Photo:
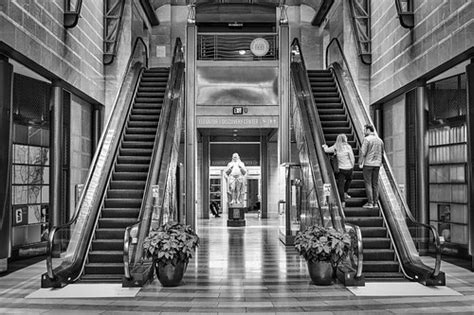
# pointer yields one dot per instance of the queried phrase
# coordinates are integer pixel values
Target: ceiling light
(242, 52)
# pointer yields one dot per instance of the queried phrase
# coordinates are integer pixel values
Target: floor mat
(400, 289)
(85, 290)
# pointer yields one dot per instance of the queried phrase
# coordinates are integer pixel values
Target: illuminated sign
(237, 110)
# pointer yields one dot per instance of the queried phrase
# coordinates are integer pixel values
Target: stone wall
(443, 29)
(35, 29)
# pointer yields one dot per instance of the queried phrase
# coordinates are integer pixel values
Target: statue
(236, 172)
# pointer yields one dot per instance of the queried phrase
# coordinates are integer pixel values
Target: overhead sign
(259, 47)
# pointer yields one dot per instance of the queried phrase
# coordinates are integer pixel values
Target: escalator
(135, 155)
(392, 238)
(125, 191)
(379, 256)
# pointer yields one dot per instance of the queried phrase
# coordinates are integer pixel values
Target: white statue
(236, 171)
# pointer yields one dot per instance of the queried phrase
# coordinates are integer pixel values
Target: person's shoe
(217, 216)
(368, 205)
(347, 196)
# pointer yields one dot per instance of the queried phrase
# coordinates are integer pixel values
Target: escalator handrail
(386, 165)
(171, 93)
(51, 234)
(328, 176)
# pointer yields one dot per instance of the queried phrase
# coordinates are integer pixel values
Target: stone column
(56, 141)
(470, 156)
(422, 157)
(205, 177)
(6, 121)
(284, 125)
(190, 120)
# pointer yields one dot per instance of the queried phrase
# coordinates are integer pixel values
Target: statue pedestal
(236, 215)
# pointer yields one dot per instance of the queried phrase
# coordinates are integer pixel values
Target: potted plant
(171, 246)
(323, 248)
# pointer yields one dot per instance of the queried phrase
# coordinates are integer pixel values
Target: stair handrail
(132, 73)
(366, 116)
(172, 93)
(297, 58)
(71, 17)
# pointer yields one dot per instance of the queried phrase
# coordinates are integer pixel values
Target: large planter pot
(170, 275)
(321, 272)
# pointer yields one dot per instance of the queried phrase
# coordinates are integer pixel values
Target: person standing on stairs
(345, 161)
(370, 161)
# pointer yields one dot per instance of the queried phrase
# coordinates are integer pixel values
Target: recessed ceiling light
(235, 130)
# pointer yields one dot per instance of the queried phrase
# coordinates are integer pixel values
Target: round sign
(259, 47)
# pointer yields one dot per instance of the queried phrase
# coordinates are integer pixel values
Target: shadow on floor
(14, 265)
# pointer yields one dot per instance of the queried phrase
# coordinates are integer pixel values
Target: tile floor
(238, 270)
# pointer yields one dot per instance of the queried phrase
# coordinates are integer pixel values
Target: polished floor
(238, 270)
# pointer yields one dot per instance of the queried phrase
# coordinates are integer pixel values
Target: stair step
(104, 268)
(125, 193)
(120, 212)
(106, 256)
(116, 223)
(123, 203)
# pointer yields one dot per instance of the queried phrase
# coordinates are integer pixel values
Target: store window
(30, 165)
(448, 161)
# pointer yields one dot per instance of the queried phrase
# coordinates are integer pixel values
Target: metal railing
(99, 171)
(234, 46)
(358, 111)
(303, 87)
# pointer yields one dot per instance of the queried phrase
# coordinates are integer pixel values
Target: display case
(215, 192)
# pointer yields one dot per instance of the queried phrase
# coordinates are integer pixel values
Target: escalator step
(145, 118)
(150, 83)
(110, 233)
(127, 184)
(376, 242)
(148, 105)
(327, 100)
(124, 193)
(361, 212)
(106, 256)
(141, 131)
(334, 124)
(146, 111)
(384, 276)
(101, 278)
(316, 81)
(338, 118)
(120, 213)
(132, 168)
(330, 106)
(156, 93)
(378, 254)
(126, 176)
(365, 221)
(123, 203)
(143, 124)
(328, 94)
(139, 137)
(116, 223)
(337, 130)
(107, 244)
(159, 87)
(137, 145)
(134, 159)
(324, 89)
(357, 192)
(379, 266)
(326, 83)
(331, 111)
(369, 231)
(104, 268)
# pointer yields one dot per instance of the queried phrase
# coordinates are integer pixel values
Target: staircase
(380, 262)
(125, 191)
